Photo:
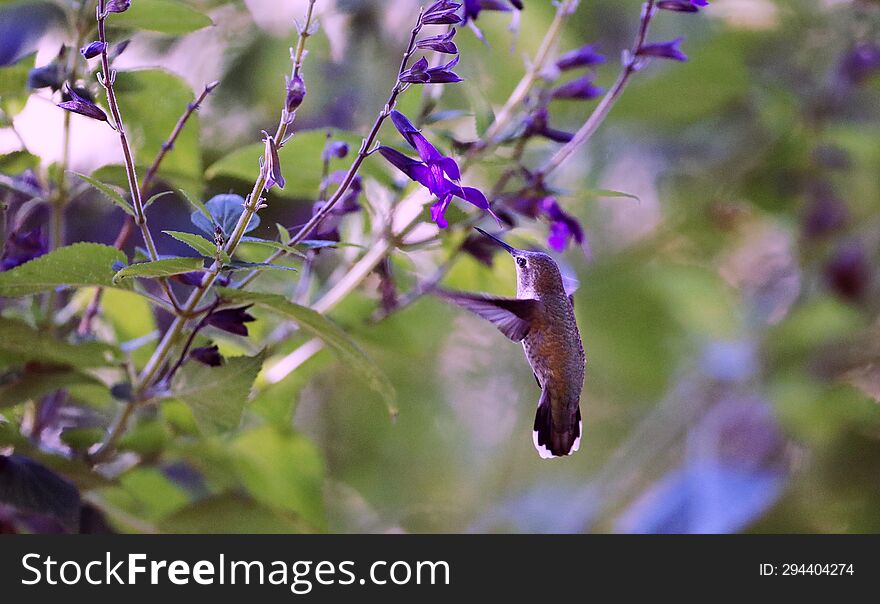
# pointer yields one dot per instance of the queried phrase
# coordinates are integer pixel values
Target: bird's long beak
(507, 247)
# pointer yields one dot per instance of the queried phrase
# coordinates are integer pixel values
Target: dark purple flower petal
(232, 320)
(443, 74)
(664, 50)
(860, 63)
(848, 271)
(400, 161)
(580, 57)
(442, 43)
(443, 12)
(472, 8)
(117, 6)
(193, 279)
(93, 49)
(82, 106)
(580, 89)
(209, 355)
(562, 226)
(21, 248)
(438, 211)
(536, 124)
(405, 127)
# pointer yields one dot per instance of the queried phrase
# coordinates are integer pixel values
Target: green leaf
(318, 325)
(163, 16)
(20, 343)
(150, 201)
(217, 395)
(283, 233)
(37, 381)
(228, 513)
(607, 193)
(80, 264)
(161, 268)
(281, 469)
(249, 266)
(199, 244)
(109, 192)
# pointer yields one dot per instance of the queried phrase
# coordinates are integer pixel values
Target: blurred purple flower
(848, 271)
(563, 227)
(83, 106)
(472, 8)
(328, 229)
(584, 56)
(117, 6)
(93, 49)
(861, 63)
(232, 320)
(209, 355)
(193, 279)
(435, 171)
(337, 149)
(441, 43)
(581, 89)
(537, 124)
(824, 214)
(443, 12)
(664, 50)
(21, 248)
(420, 73)
(682, 6)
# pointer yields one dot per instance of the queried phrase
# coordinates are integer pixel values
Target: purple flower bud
(537, 124)
(93, 49)
(337, 149)
(209, 355)
(580, 57)
(117, 6)
(579, 89)
(860, 63)
(47, 76)
(442, 12)
(420, 73)
(296, 93)
(232, 320)
(272, 164)
(664, 50)
(78, 104)
(442, 43)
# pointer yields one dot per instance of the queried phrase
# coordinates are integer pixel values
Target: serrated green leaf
(20, 343)
(197, 204)
(199, 244)
(109, 192)
(217, 395)
(80, 264)
(163, 16)
(318, 325)
(161, 268)
(249, 266)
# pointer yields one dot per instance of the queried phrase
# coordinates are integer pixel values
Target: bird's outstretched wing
(512, 317)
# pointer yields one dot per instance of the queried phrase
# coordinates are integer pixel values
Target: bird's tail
(557, 432)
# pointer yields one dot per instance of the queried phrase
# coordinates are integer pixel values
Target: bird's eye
(522, 262)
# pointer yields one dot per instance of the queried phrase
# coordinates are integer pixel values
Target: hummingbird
(542, 318)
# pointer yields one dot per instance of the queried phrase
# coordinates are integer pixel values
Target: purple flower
(209, 355)
(472, 8)
(117, 6)
(93, 49)
(21, 248)
(664, 50)
(442, 43)
(193, 279)
(78, 104)
(584, 56)
(563, 227)
(232, 320)
(860, 63)
(296, 93)
(420, 73)
(682, 6)
(443, 12)
(337, 149)
(272, 164)
(435, 171)
(538, 124)
(579, 89)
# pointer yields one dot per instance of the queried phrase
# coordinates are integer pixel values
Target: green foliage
(199, 244)
(318, 325)
(77, 265)
(163, 16)
(21, 343)
(37, 381)
(109, 192)
(217, 395)
(160, 268)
